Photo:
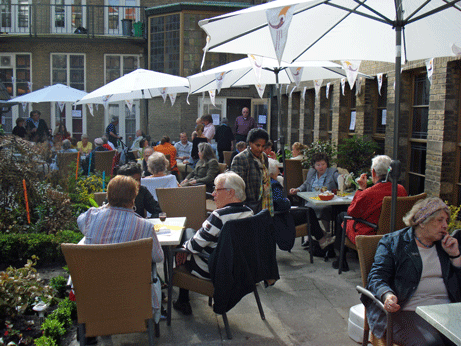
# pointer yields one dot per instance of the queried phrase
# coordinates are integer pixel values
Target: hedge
(16, 248)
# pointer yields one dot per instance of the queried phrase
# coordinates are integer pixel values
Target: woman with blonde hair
(297, 151)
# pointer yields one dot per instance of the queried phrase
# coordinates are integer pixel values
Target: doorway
(234, 109)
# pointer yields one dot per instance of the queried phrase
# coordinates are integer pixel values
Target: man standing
(243, 124)
(111, 132)
(37, 129)
(209, 130)
(229, 195)
(224, 138)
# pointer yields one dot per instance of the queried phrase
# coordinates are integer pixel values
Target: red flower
(6, 333)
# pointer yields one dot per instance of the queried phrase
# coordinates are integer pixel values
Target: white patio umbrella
(377, 30)
(54, 93)
(139, 84)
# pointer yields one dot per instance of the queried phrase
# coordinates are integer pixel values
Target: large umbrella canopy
(54, 93)
(240, 72)
(139, 84)
(340, 29)
(377, 30)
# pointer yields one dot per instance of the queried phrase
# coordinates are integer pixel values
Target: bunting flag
(172, 98)
(317, 86)
(205, 49)
(61, 105)
(105, 100)
(219, 80)
(260, 88)
(187, 99)
(90, 108)
(291, 92)
(29, 86)
(304, 93)
(297, 72)
(97, 107)
(212, 94)
(129, 104)
(358, 87)
(163, 93)
(456, 50)
(352, 69)
(343, 84)
(430, 69)
(328, 90)
(279, 20)
(24, 106)
(257, 64)
(380, 82)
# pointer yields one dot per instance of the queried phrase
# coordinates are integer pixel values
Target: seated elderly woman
(206, 169)
(117, 222)
(297, 151)
(157, 164)
(418, 265)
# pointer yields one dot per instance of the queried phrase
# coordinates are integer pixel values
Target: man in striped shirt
(229, 195)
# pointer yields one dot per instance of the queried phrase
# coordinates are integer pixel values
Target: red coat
(367, 205)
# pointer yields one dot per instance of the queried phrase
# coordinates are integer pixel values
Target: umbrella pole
(395, 164)
(279, 130)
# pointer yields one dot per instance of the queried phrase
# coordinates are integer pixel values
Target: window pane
(5, 13)
(165, 44)
(130, 122)
(420, 119)
(422, 88)
(381, 115)
(59, 61)
(418, 158)
(130, 63)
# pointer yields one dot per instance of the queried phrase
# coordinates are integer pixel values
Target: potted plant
(355, 154)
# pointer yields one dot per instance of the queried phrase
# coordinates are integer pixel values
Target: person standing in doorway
(111, 132)
(243, 124)
(224, 138)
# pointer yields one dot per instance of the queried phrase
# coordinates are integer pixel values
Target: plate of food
(326, 196)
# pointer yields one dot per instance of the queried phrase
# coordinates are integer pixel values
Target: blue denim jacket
(397, 268)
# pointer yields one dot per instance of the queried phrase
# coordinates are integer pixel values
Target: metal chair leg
(342, 253)
(210, 301)
(258, 301)
(81, 334)
(226, 325)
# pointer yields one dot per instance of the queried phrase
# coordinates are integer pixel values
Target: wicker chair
(366, 248)
(103, 161)
(114, 296)
(64, 161)
(404, 205)
(100, 197)
(227, 157)
(185, 201)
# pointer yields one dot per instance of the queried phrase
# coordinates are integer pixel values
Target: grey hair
(272, 166)
(232, 180)
(207, 151)
(66, 144)
(380, 164)
(157, 163)
(424, 205)
(85, 136)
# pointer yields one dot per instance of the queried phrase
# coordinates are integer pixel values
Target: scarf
(266, 189)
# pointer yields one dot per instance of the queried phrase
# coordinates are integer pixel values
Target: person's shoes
(306, 243)
(327, 242)
(163, 313)
(316, 250)
(335, 265)
(183, 307)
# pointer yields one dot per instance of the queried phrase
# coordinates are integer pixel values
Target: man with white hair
(229, 195)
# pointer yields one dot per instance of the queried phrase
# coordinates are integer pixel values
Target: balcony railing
(90, 20)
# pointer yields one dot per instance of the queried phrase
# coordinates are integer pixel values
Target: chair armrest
(183, 250)
(209, 195)
(365, 222)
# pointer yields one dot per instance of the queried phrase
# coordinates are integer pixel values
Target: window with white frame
(15, 74)
(129, 119)
(69, 69)
(68, 15)
(14, 16)
(118, 10)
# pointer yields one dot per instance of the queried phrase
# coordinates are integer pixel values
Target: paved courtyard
(309, 306)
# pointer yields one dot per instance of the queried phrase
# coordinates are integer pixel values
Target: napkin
(341, 183)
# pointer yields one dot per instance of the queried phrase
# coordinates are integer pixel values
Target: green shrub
(355, 154)
(65, 313)
(20, 288)
(15, 248)
(59, 283)
(53, 329)
(69, 305)
(45, 341)
(319, 147)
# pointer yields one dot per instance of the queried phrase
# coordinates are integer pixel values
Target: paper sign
(352, 125)
(262, 119)
(383, 116)
(76, 113)
(215, 119)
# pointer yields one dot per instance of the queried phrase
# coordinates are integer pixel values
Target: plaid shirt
(246, 166)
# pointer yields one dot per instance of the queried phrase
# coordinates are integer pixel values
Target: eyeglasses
(224, 188)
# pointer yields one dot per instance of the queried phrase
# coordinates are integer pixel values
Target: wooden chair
(404, 205)
(250, 230)
(64, 162)
(227, 157)
(100, 197)
(114, 296)
(366, 248)
(294, 174)
(222, 167)
(184, 201)
(103, 161)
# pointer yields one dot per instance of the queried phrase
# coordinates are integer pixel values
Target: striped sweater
(206, 238)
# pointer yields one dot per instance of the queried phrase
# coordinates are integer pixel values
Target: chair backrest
(114, 296)
(103, 161)
(227, 157)
(185, 201)
(404, 205)
(64, 160)
(100, 197)
(152, 184)
(366, 248)
(294, 174)
(222, 167)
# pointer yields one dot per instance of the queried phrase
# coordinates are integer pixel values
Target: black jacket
(145, 202)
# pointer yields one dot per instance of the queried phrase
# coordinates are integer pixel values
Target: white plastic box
(355, 323)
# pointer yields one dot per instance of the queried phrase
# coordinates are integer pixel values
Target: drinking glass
(162, 217)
